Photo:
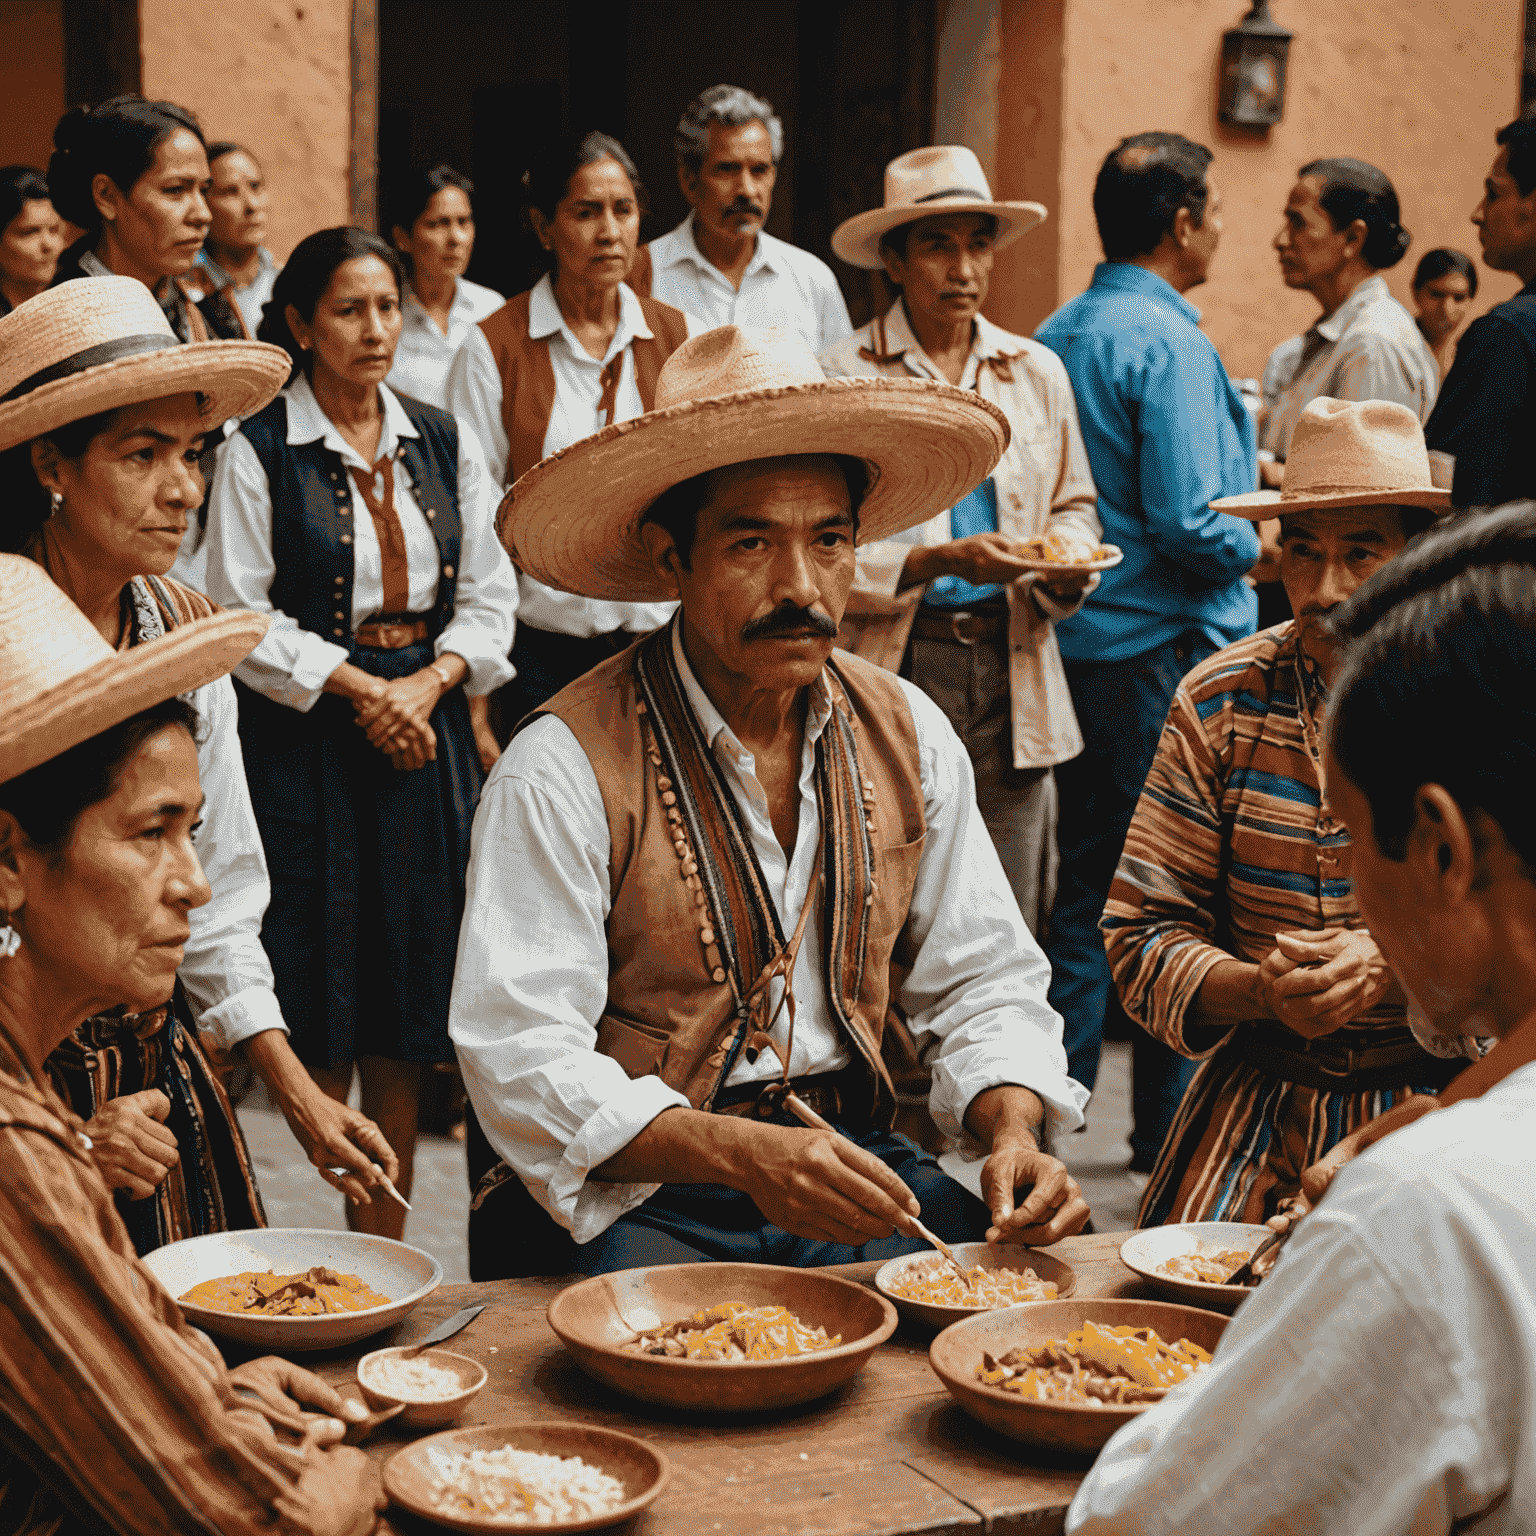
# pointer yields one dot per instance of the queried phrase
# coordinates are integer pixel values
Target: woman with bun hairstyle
(1444, 286)
(1340, 233)
(362, 523)
(31, 236)
(131, 174)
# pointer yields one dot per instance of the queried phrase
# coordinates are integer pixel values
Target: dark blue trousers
(1121, 707)
(684, 1223)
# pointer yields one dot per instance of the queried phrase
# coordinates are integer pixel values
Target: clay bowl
(595, 1317)
(930, 1315)
(956, 1355)
(1142, 1252)
(422, 1413)
(405, 1274)
(643, 1470)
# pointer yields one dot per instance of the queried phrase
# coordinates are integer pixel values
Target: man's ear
(687, 181)
(895, 267)
(1443, 857)
(45, 463)
(13, 889)
(663, 552)
(1184, 227)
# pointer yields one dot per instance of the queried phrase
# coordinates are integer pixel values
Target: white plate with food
(927, 1290)
(1188, 1261)
(288, 1289)
(1054, 554)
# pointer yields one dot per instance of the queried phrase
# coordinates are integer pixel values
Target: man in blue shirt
(1167, 433)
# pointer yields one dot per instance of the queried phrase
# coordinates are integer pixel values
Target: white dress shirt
(424, 353)
(252, 298)
(475, 396)
(532, 974)
(783, 287)
(292, 664)
(1382, 1381)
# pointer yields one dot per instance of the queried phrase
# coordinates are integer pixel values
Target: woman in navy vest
(362, 522)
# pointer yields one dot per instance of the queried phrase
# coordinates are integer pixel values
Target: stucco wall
(31, 79)
(274, 75)
(1416, 87)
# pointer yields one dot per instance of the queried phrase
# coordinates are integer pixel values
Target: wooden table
(890, 1452)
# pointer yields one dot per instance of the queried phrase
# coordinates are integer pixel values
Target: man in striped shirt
(1232, 929)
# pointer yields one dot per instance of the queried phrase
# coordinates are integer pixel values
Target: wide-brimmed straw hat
(921, 184)
(97, 343)
(726, 397)
(1348, 453)
(61, 683)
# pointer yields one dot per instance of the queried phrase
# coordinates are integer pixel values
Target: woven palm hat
(97, 343)
(727, 397)
(943, 178)
(61, 683)
(1348, 453)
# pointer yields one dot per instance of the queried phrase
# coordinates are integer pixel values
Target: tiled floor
(296, 1196)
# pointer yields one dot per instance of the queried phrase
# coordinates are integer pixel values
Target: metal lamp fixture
(1254, 54)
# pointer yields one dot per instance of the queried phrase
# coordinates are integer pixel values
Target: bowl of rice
(435, 1386)
(927, 1290)
(556, 1476)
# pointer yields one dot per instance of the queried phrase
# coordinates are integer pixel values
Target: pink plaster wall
(275, 75)
(31, 79)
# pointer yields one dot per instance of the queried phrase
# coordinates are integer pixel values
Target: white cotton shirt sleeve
(292, 664)
(474, 392)
(532, 980)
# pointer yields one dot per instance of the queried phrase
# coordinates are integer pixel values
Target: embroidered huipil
(531, 982)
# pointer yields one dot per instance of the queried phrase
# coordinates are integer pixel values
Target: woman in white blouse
(576, 353)
(433, 227)
(363, 524)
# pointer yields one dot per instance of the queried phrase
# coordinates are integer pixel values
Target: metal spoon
(1245, 1275)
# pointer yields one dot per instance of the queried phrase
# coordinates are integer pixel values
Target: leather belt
(392, 635)
(825, 1092)
(1346, 1071)
(961, 626)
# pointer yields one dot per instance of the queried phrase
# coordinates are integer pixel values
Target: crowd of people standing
(438, 678)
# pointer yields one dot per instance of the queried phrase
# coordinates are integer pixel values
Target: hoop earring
(10, 940)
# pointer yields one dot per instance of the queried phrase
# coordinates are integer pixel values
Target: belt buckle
(958, 624)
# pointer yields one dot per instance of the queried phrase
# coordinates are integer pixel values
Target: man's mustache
(1318, 610)
(790, 621)
(744, 205)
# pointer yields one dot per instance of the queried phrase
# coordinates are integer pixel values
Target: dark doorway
(479, 86)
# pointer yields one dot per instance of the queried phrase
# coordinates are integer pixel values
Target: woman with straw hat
(362, 520)
(118, 1415)
(102, 416)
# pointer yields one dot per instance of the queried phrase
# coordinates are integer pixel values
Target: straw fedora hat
(1348, 453)
(943, 178)
(97, 343)
(726, 397)
(61, 683)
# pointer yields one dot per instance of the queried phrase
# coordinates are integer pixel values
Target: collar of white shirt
(462, 308)
(683, 247)
(1372, 289)
(988, 341)
(265, 263)
(545, 319)
(307, 423)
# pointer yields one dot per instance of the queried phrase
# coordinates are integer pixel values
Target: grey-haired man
(720, 265)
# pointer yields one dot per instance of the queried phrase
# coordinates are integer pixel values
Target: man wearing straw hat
(701, 874)
(952, 603)
(1232, 928)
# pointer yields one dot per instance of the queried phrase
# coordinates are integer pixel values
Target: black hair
(119, 139)
(1442, 261)
(1144, 181)
(896, 240)
(48, 800)
(25, 505)
(1435, 682)
(1519, 138)
(1352, 190)
(548, 178)
(19, 185)
(222, 147)
(677, 510)
(308, 274)
(407, 194)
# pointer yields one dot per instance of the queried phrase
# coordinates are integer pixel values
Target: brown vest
(528, 376)
(670, 1010)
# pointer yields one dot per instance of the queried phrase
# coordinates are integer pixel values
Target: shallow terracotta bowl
(1143, 1251)
(421, 1413)
(1057, 1271)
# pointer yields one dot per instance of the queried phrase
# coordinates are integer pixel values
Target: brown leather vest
(667, 1013)
(528, 376)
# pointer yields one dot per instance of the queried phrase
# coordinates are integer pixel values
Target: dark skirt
(212, 1188)
(367, 866)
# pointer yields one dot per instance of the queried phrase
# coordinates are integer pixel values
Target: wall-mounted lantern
(1253, 60)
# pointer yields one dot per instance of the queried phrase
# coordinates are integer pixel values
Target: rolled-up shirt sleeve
(1159, 923)
(474, 391)
(975, 997)
(532, 980)
(292, 664)
(485, 595)
(225, 969)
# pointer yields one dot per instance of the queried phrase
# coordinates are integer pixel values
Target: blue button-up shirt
(1167, 433)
